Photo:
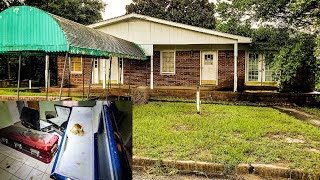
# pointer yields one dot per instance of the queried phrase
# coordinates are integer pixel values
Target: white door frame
(95, 71)
(215, 60)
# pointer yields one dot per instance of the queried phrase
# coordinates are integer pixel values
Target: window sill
(257, 83)
(76, 72)
(167, 74)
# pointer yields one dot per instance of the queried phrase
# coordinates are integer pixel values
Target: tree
(193, 12)
(4, 4)
(300, 14)
(297, 63)
(81, 11)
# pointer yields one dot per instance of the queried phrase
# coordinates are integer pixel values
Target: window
(76, 65)
(167, 62)
(95, 63)
(253, 68)
(208, 59)
(269, 74)
(259, 72)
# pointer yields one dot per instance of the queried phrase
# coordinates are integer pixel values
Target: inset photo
(66, 140)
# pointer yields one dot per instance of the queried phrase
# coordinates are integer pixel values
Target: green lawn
(12, 91)
(224, 134)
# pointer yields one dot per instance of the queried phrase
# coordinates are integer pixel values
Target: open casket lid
(63, 114)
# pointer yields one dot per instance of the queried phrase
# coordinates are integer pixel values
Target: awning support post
(104, 73)
(82, 78)
(47, 76)
(88, 95)
(69, 76)
(151, 72)
(109, 78)
(235, 78)
(62, 80)
(19, 73)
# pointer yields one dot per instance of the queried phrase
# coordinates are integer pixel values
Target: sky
(116, 8)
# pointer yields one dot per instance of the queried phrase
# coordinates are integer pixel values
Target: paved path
(300, 115)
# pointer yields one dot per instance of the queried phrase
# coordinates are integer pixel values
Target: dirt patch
(181, 127)
(293, 140)
(275, 135)
(315, 122)
(314, 150)
(286, 137)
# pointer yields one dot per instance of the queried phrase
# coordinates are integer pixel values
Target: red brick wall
(75, 79)
(187, 70)
(226, 69)
(136, 72)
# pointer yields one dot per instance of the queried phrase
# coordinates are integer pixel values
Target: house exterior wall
(187, 72)
(136, 72)
(226, 69)
(75, 78)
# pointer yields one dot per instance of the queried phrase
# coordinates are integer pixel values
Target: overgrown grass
(224, 134)
(12, 91)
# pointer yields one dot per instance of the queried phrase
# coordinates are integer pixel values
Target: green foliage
(32, 67)
(269, 38)
(300, 13)
(5, 4)
(234, 27)
(297, 63)
(81, 11)
(317, 51)
(193, 12)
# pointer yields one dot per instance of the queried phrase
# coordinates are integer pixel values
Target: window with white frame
(269, 74)
(269, 71)
(253, 67)
(167, 62)
(76, 65)
(258, 70)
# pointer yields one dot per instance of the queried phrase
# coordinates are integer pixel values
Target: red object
(39, 145)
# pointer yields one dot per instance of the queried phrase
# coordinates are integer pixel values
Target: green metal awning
(27, 29)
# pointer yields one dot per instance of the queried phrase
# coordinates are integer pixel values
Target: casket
(40, 145)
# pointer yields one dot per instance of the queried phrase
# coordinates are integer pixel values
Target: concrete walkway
(291, 111)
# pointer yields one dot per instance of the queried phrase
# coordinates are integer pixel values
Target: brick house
(177, 55)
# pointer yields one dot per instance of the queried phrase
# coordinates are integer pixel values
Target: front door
(114, 70)
(209, 68)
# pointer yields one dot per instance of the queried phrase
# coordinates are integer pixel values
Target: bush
(297, 64)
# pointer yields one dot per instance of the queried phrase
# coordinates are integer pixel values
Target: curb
(214, 169)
